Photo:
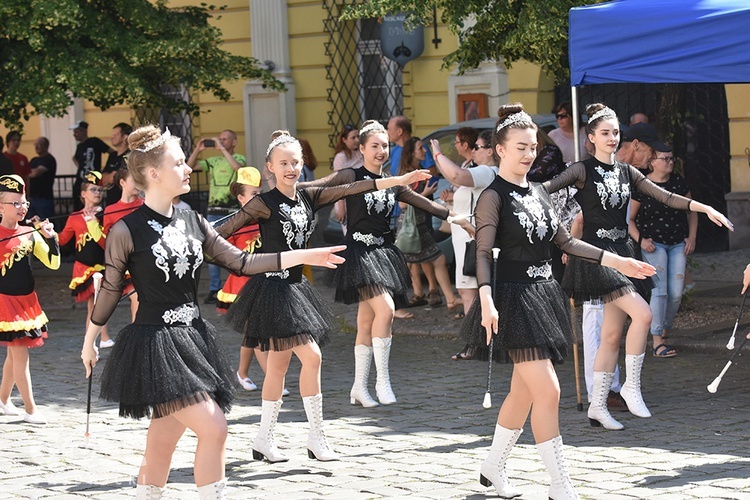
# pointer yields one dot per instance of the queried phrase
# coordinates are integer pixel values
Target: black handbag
(470, 255)
(470, 258)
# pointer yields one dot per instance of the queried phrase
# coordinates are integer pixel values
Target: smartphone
(209, 143)
(433, 180)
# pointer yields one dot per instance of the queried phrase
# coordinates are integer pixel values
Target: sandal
(460, 315)
(401, 314)
(456, 303)
(467, 354)
(435, 299)
(417, 300)
(664, 351)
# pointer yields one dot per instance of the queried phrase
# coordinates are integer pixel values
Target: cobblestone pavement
(429, 445)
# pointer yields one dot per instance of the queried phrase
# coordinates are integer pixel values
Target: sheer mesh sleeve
(223, 253)
(407, 195)
(251, 212)
(322, 196)
(573, 175)
(344, 176)
(487, 216)
(643, 185)
(118, 249)
(573, 246)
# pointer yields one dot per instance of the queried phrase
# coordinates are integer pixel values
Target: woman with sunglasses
(469, 184)
(666, 237)
(563, 134)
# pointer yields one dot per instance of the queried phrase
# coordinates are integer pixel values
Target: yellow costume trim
(25, 325)
(225, 297)
(78, 281)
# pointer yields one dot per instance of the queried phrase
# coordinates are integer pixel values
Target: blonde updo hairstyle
(281, 138)
(500, 135)
(142, 156)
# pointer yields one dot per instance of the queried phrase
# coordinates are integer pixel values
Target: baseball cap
(249, 176)
(645, 133)
(80, 124)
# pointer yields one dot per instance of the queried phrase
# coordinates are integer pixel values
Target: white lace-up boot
(213, 491)
(598, 413)
(317, 445)
(381, 349)
(631, 389)
(362, 362)
(263, 445)
(492, 472)
(148, 492)
(560, 487)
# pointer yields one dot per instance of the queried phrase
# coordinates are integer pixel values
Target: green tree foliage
(110, 52)
(534, 30)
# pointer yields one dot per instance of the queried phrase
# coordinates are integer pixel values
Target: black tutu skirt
(370, 271)
(277, 315)
(155, 370)
(534, 323)
(585, 280)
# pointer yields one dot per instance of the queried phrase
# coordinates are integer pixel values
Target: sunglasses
(477, 147)
(667, 159)
(562, 115)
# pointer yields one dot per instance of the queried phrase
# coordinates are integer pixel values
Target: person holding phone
(222, 172)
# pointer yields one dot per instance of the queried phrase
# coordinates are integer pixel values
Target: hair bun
(508, 109)
(142, 136)
(591, 109)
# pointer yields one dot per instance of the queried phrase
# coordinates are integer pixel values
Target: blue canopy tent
(659, 41)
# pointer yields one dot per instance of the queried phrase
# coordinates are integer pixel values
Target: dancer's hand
(45, 227)
(718, 218)
(89, 356)
(323, 257)
(746, 279)
(490, 317)
(413, 177)
(90, 213)
(629, 267)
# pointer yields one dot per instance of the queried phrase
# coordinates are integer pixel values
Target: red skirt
(82, 284)
(22, 321)
(228, 293)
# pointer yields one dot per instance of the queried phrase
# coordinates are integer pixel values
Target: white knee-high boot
(263, 445)
(381, 349)
(631, 389)
(362, 362)
(560, 487)
(598, 413)
(492, 472)
(213, 491)
(317, 445)
(149, 492)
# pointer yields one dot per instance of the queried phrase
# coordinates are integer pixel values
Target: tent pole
(576, 119)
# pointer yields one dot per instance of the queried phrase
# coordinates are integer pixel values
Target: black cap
(645, 133)
(80, 124)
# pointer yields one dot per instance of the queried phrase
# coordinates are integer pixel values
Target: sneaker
(104, 344)
(246, 383)
(9, 408)
(34, 418)
(285, 392)
(211, 297)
